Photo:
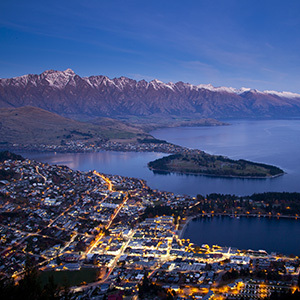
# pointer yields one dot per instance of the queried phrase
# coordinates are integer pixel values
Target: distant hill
(83, 98)
(5, 155)
(30, 125)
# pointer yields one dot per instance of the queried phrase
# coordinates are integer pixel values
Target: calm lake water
(270, 234)
(275, 142)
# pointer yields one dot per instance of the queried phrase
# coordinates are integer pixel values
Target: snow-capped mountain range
(70, 95)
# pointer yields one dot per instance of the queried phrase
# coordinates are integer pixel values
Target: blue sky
(238, 43)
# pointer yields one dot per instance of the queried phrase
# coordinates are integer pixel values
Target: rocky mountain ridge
(68, 94)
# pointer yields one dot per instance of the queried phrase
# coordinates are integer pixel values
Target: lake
(275, 142)
(270, 234)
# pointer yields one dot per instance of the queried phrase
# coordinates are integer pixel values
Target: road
(37, 170)
(96, 283)
(107, 226)
(109, 183)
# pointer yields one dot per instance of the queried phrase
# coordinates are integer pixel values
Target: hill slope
(30, 125)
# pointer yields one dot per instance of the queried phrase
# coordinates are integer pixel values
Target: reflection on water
(272, 142)
(270, 234)
(131, 164)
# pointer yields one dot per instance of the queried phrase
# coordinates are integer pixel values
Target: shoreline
(182, 230)
(190, 218)
(215, 175)
(165, 147)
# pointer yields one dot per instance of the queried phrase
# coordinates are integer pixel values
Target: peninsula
(35, 129)
(199, 162)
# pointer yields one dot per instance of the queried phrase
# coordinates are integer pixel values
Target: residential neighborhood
(114, 232)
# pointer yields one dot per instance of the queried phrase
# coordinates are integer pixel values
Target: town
(113, 237)
(145, 145)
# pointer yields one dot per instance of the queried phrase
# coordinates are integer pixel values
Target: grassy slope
(149, 123)
(35, 125)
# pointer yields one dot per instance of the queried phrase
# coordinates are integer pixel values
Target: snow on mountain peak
(205, 86)
(243, 90)
(69, 71)
(283, 94)
(59, 79)
(156, 81)
(221, 89)
(157, 84)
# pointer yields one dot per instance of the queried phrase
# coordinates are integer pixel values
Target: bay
(275, 142)
(270, 234)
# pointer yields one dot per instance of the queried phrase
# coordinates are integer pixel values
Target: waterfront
(273, 142)
(78, 218)
(271, 234)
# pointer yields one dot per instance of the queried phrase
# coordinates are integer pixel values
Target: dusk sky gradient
(237, 43)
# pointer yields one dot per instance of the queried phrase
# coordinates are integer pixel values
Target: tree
(50, 291)
(66, 295)
(29, 286)
(7, 288)
(145, 286)
(146, 281)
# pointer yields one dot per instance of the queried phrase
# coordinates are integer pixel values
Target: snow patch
(225, 89)
(69, 72)
(157, 84)
(283, 94)
(59, 79)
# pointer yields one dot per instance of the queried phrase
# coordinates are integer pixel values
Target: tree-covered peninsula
(199, 162)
